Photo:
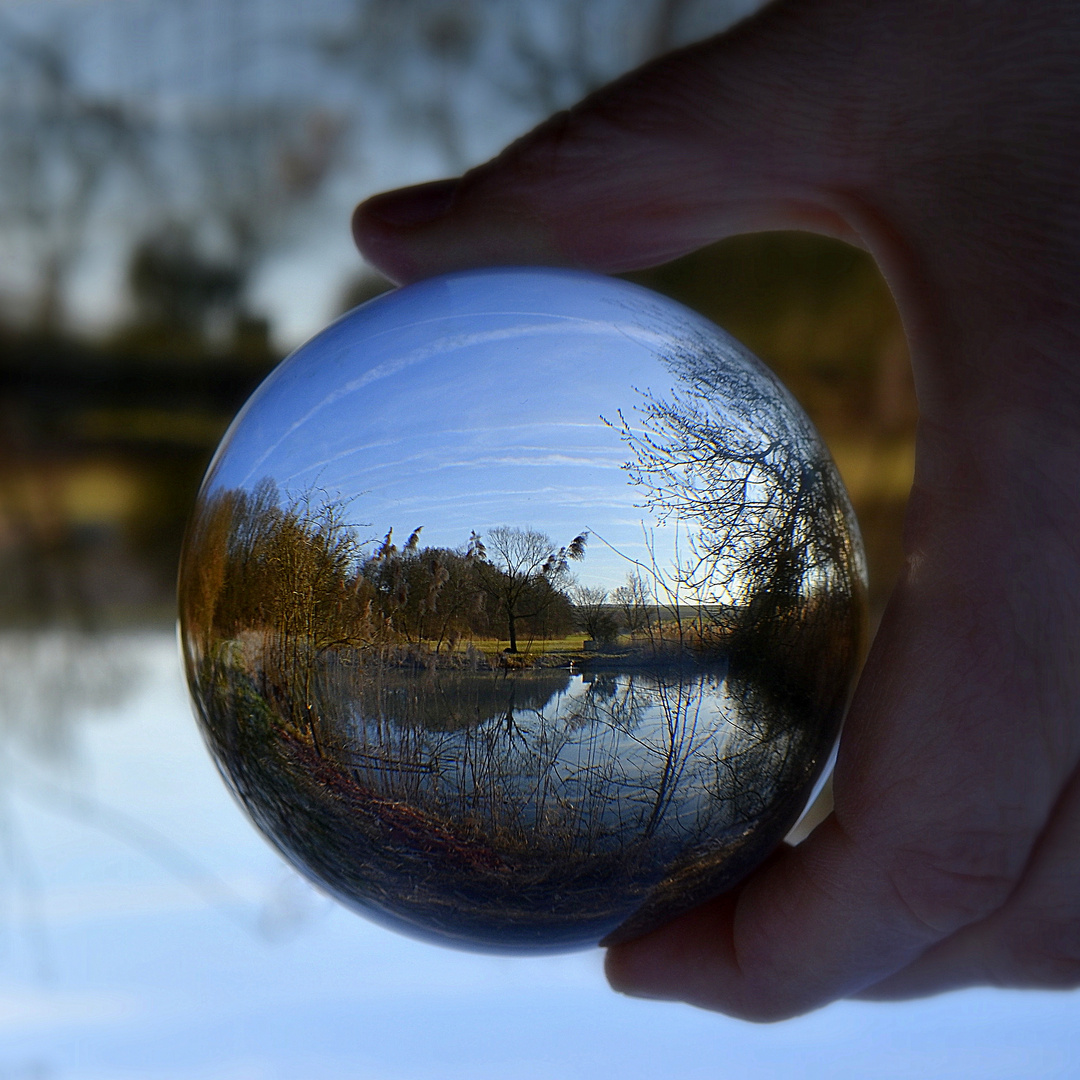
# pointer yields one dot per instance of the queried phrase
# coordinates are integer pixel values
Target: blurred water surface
(148, 932)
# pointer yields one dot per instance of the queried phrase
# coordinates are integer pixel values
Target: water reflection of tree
(493, 786)
(533, 759)
(56, 685)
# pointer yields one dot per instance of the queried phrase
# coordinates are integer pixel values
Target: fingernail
(412, 206)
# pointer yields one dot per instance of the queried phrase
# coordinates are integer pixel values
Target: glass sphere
(520, 609)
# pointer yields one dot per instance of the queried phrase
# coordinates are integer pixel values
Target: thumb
(738, 133)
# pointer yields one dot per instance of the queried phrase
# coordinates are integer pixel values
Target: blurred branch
(446, 72)
(60, 145)
(253, 167)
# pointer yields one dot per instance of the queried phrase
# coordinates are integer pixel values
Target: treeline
(300, 573)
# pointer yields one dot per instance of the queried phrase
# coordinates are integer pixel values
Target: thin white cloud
(447, 345)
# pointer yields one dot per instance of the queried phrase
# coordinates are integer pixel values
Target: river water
(146, 931)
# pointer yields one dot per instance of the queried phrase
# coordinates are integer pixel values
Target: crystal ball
(520, 608)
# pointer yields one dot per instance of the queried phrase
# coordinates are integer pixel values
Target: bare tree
(771, 541)
(417, 53)
(593, 613)
(521, 569)
(253, 168)
(633, 600)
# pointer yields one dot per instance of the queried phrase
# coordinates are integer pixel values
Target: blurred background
(176, 178)
(175, 183)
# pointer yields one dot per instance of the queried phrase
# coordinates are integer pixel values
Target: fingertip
(642, 970)
(449, 225)
(619, 970)
(783, 943)
(410, 207)
(384, 227)
(377, 245)
(688, 959)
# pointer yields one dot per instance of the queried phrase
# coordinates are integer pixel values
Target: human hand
(945, 138)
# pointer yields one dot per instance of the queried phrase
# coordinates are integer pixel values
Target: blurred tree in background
(175, 180)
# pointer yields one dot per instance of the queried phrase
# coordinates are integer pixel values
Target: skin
(944, 138)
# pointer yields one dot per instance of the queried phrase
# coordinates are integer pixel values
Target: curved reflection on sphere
(520, 609)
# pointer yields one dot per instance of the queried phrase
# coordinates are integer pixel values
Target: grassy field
(537, 647)
(528, 649)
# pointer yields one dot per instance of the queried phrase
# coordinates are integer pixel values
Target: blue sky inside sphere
(485, 399)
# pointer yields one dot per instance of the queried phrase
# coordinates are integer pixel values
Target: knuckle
(956, 879)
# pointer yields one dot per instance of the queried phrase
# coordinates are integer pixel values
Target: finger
(703, 143)
(1032, 941)
(915, 127)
